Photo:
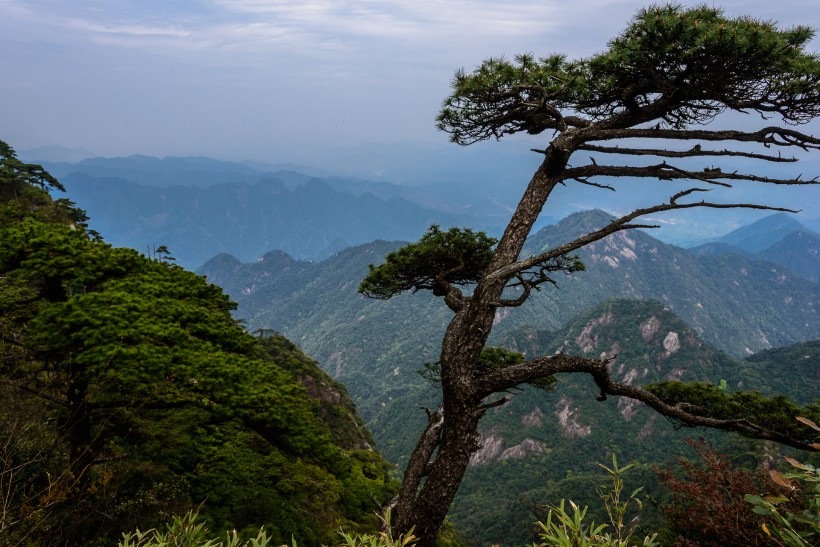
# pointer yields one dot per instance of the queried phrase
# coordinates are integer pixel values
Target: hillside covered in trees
(129, 393)
(540, 446)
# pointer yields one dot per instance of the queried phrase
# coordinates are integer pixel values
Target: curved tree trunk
(455, 428)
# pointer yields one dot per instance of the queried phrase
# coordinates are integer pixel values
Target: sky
(275, 81)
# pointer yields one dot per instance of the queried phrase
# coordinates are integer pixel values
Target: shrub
(570, 530)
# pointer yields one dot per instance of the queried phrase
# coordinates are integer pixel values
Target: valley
(707, 325)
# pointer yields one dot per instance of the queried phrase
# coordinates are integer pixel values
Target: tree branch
(566, 264)
(514, 303)
(498, 402)
(768, 136)
(41, 394)
(618, 225)
(665, 171)
(441, 287)
(588, 182)
(695, 151)
(418, 465)
(529, 371)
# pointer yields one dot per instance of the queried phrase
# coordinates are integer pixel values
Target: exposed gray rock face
(568, 418)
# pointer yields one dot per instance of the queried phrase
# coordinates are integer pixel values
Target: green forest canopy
(129, 393)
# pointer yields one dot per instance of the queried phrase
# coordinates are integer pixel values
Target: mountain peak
(763, 233)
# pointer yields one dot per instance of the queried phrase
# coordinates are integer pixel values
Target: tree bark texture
(425, 506)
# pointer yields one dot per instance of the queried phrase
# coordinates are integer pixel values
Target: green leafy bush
(794, 527)
(190, 531)
(566, 529)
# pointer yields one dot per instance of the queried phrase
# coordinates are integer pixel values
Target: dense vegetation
(377, 347)
(130, 393)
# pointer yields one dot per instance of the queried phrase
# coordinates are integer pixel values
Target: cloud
(283, 72)
(298, 26)
(222, 31)
(420, 22)
(320, 26)
(132, 29)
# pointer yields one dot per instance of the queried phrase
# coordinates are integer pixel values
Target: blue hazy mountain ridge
(482, 195)
(186, 171)
(763, 233)
(478, 186)
(54, 154)
(499, 171)
(801, 251)
(310, 220)
(779, 238)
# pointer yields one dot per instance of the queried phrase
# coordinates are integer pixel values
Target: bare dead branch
(695, 151)
(768, 136)
(620, 224)
(665, 171)
(588, 182)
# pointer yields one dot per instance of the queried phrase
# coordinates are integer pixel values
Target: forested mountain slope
(737, 304)
(377, 347)
(542, 447)
(129, 393)
(793, 370)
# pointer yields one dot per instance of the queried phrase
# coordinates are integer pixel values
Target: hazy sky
(273, 80)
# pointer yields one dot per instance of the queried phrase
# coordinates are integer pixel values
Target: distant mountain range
(43, 154)
(199, 207)
(778, 238)
(309, 221)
